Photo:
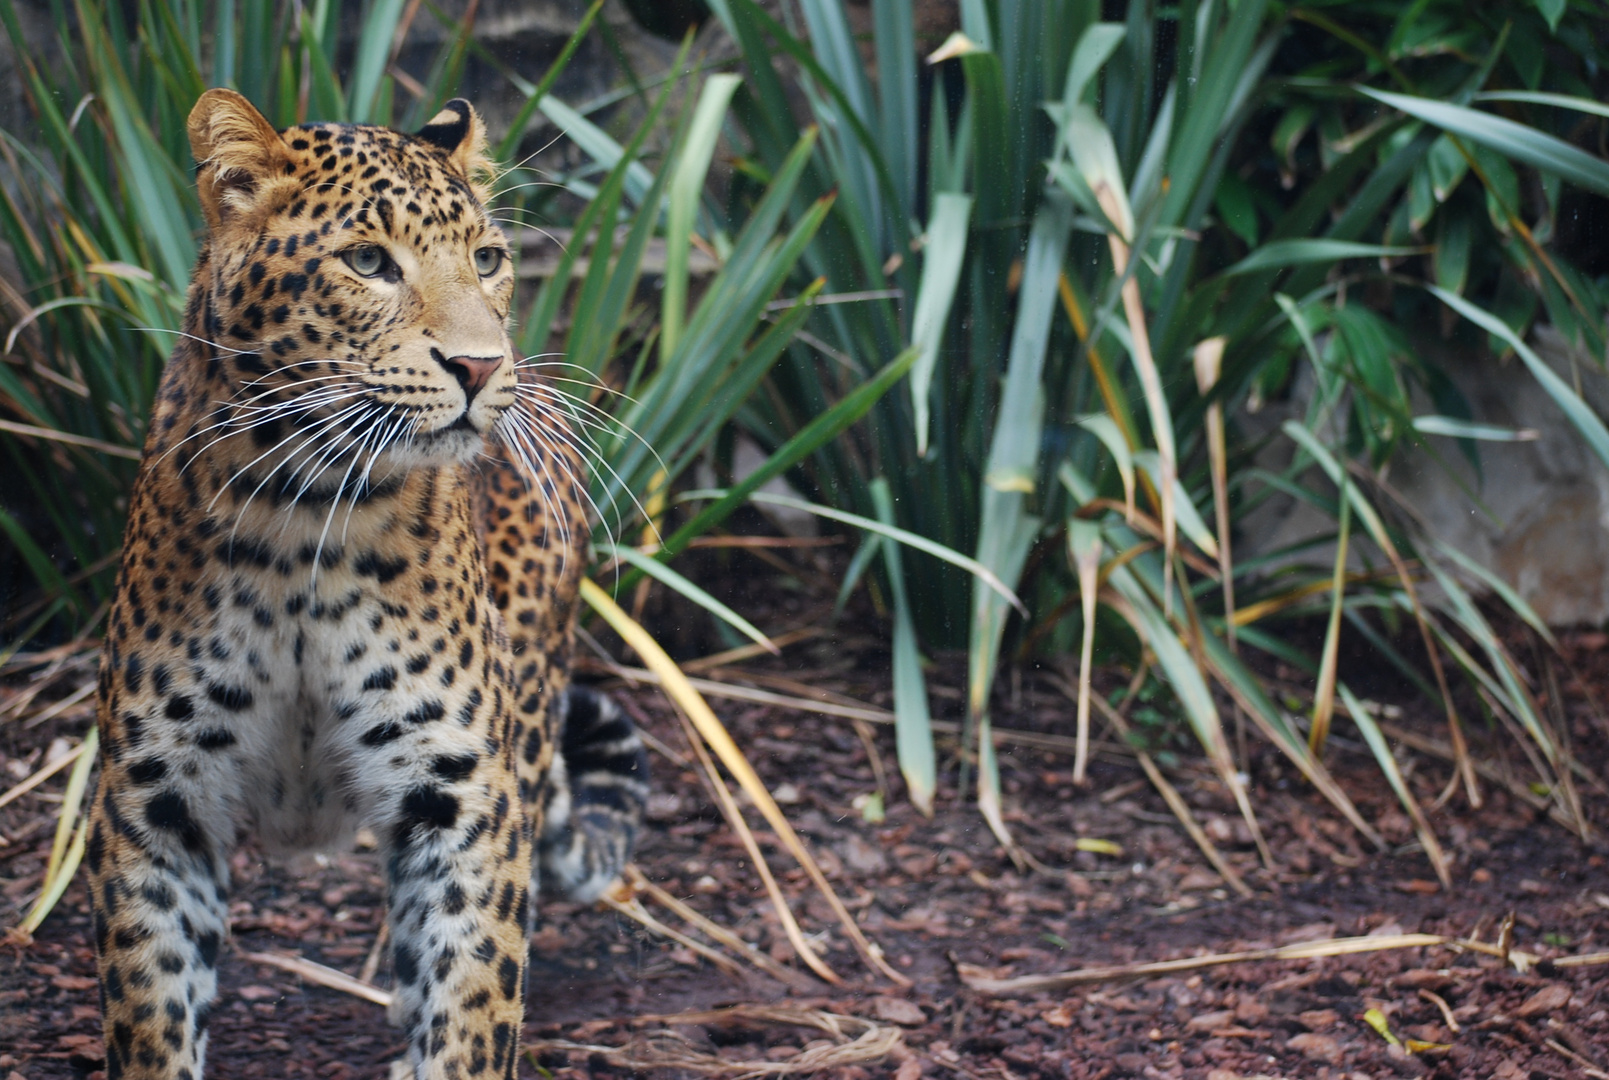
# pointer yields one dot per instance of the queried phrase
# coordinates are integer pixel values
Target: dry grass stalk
(747, 652)
(42, 774)
(55, 709)
(856, 1041)
(315, 972)
(1175, 803)
(1585, 1064)
(870, 713)
(734, 818)
(1208, 357)
(371, 963)
(635, 879)
(632, 908)
(1150, 382)
(697, 712)
(978, 979)
(1582, 960)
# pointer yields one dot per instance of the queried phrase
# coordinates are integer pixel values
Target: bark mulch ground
(940, 893)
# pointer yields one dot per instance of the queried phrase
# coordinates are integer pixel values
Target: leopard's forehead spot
(365, 177)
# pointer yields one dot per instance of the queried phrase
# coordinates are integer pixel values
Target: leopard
(347, 597)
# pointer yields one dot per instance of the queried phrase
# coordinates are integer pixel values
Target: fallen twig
(315, 972)
(632, 908)
(1585, 1064)
(976, 978)
(635, 879)
(871, 713)
(1175, 802)
(43, 774)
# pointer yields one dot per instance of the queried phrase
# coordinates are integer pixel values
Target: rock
(863, 857)
(1546, 499)
(1251, 1011)
(1319, 931)
(895, 1010)
(1210, 1021)
(1316, 1047)
(1544, 1000)
(909, 1069)
(1318, 1019)
(1198, 880)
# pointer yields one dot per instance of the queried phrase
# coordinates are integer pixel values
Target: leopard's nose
(472, 372)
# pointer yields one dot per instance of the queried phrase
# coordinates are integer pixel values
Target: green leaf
(373, 50)
(1337, 474)
(1578, 411)
(686, 185)
(807, 441)
(1278, 254)
(1517, 141)
(1174, 660)
(1235, 208)
(1105, 429)
(943, 253)
(597, 144)
(1552, 11)
(913, 720)
(1094, 48)
(1502, 588)
(1456, 236)
(1095, 156)
(1446, 166)
(1189, 517)
(666, 576)
(909, 539)
(1562, 101)
(1388, 765)
(897, 90)
(1453, 427)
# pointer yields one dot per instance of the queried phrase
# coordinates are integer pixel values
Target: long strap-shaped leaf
(720, 740)
(943, 252)
(65, 853)
(1518, 141)
(1006, 527)
(1377, 533)
(913, 720)
(686, 184)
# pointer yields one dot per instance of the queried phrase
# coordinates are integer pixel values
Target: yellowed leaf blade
(720, 740)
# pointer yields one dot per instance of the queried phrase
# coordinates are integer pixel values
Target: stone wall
(1537, 512)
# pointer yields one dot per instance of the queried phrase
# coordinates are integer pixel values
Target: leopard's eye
(487, 260)
(366, 261)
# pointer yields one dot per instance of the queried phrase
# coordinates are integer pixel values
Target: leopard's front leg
(158, 877)
(458, 863)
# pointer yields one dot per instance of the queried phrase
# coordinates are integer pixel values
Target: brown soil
(935, 893)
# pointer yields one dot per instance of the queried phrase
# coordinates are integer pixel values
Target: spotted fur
(347, 594)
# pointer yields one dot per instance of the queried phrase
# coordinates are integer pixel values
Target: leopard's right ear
(240, 158)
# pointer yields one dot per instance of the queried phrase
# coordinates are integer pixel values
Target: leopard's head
(356, 288)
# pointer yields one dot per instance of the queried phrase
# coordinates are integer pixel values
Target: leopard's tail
(596, 796)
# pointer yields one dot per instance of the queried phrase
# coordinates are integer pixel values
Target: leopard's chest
(294, 684)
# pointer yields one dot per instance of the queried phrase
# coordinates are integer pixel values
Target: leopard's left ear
(459, 130)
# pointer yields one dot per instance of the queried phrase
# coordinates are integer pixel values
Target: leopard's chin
(456, 444)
